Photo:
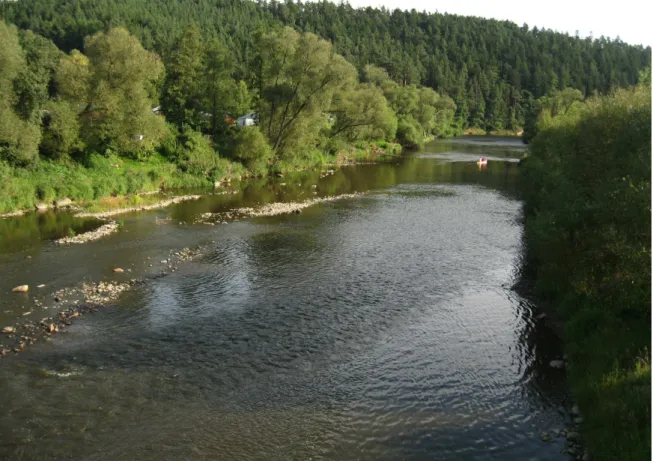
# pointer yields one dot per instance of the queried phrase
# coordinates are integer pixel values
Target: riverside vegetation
(90, 110)
(587, 194)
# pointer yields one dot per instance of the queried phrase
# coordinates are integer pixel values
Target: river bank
(586, 187)
(109, 182)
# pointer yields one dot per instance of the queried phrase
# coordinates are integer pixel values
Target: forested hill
(492, 69)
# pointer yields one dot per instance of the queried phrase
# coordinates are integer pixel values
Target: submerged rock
(573, 436)
(20, 289)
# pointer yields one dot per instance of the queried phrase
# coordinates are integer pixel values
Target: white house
(247, 119)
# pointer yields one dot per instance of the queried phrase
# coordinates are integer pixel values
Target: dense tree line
(587, 206)
(493, 70)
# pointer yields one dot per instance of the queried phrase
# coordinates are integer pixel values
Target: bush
(587, 194)
(252, 149)
(409, 132)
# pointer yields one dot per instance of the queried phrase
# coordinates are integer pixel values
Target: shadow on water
(382, 327)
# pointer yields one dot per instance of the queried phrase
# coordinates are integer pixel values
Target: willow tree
(122, 89)
(19, 138)
(363, 113)
(300, 75)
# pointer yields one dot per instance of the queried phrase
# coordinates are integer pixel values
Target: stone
(41, 285)
(52, 328)
(41, 207)
(57, 299)
(298, 211)
(62, 202)
(8, 330)
(575, 410)
(557, 363)
(21, 289)
(545, 436)
(118, 270)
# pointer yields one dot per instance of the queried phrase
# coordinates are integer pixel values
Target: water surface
(376, 328)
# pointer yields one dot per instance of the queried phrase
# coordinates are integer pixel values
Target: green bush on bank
(587, 203)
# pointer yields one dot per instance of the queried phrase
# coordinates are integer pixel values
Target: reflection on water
(379, 328)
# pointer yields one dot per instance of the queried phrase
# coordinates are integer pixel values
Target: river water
(382, 327)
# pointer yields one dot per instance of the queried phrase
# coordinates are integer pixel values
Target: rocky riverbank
(73, 302)
(154, 206)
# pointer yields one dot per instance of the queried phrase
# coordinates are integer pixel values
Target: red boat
(482, 161)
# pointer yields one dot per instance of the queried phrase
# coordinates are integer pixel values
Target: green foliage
(183, 87)
(19, 132)
(587, 197)
(60, 130)
(252, 149)
(409, 132)
(362, 112)
(122, 81)
(300, 75)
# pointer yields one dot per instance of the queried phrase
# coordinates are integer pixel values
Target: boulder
(557, 363)
(62, 202)
(21, 289)
(41, 207)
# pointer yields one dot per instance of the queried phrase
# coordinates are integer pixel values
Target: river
(382, 327)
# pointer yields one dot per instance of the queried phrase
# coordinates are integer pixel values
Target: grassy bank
(107, 182)
(587, 189)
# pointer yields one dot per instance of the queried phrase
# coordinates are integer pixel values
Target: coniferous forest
(162, 82)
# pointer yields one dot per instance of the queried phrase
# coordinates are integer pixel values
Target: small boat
(482, 161)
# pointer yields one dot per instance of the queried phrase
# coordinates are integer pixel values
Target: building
(247, 120)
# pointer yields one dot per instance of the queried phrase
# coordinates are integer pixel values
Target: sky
(630, 20)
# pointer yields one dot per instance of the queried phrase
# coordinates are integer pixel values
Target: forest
(112, 97)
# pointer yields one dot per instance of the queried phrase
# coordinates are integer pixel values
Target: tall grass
(587, 194)
(99, 177)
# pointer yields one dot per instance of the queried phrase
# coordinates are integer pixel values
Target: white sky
(629, 19)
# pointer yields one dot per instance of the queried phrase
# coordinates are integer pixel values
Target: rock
(557, 363)
(41, 285)
(313, 186)
(578, 420)
(62, 202)
(298, 211)
(41, 207)
(8, 330)
(279, 175)
(21, 289)
(52, 328)
(572, 451)
(575, 410)
(164, 261)
(57, 299)
(573, 436)
(545, 436)
(540, 316)
(118, 269)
